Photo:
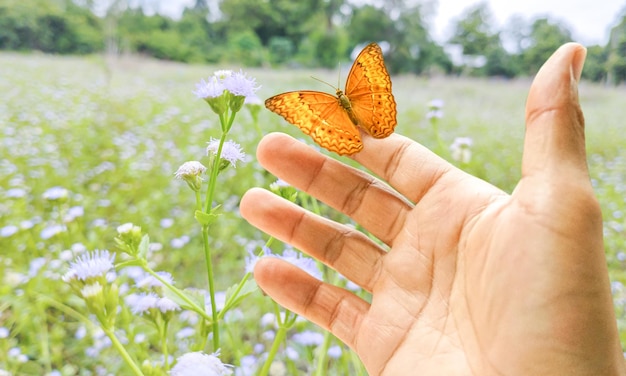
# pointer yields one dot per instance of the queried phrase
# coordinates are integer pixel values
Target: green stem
(180, 294)
(122, 350)
(243, 281)
(45, 340)
(280, 337)
(164, 345)
(209, 268)
(213, 177)
(322, 355)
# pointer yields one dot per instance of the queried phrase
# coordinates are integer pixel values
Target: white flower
(91, 265)
(189, 169)
(55, 194)
(200, 364)
(51, 231)
(461, 149)
(166, 304)
(149, 280)
(308, 338)
(89, 291)
(436, 104)
(222, 73)
(7, 231)
(125, 228)
(291, 256)
(240, 84)
(231, 151)
(212, 88)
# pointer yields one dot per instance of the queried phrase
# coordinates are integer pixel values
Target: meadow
(89, 144)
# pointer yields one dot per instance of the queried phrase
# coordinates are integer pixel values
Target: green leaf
(248, 288)
(144, 246)
(206, 219)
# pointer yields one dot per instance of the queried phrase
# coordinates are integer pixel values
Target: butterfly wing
(368, 87)
(320, 116)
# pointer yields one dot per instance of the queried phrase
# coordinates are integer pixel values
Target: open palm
(474, 281)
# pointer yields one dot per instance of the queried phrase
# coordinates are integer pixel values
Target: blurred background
(505, 39)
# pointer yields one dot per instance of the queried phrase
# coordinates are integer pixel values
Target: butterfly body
(332, 120)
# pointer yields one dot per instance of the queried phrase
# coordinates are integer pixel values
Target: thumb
(555, 134)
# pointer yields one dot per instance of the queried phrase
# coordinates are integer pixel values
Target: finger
(406, 165)
(364, 198)
(328, 306)
(555, 137)
(342, 248)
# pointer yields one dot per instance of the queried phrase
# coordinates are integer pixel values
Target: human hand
(474, 281)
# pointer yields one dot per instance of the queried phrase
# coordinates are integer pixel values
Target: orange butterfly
(332, 121)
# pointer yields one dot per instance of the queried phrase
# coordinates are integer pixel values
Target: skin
(472, 281)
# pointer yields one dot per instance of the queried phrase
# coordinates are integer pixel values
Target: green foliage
(595, 64)
(616, 53)
(245, 48)
(544, 38)
(310, 33)
(59, 27)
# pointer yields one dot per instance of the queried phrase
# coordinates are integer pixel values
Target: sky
(589, 20)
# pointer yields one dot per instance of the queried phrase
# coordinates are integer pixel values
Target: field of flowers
(103, 247)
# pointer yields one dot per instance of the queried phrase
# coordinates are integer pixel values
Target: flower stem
(180, 294)
(122, 350)
(213, 177)
(322, 355)
(209, 268)
(283, 327)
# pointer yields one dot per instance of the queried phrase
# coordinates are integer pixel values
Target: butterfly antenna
(339, 74)
(324, 82)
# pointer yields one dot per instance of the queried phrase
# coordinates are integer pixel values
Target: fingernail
(578, 62)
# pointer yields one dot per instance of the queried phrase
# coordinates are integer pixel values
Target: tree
(616, 53)
(474, 33)
(545, 37)
(369, 24)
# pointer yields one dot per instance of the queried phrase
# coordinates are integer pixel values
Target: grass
(113, 132)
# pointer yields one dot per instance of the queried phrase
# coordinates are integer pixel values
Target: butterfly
(332, 121)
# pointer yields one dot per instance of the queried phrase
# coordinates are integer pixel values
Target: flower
(56, 194)
(90, 291)
(143, 303)
(148, 280)
(191, 172)
(239, 84)
(461, 149)
(200, 364)
(308, 338)
(189, 169)
(291, 256)
(334, 352)
(231, 151)
(91, 265)
(51, 231)
(7, 231)
(212, 88)
(435, 109)
(436, 104)
(15, 193)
